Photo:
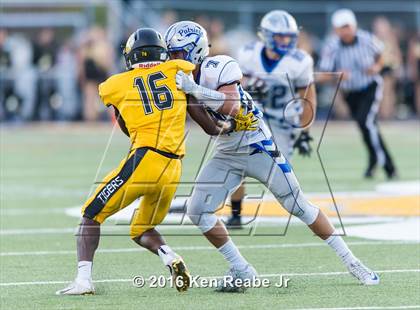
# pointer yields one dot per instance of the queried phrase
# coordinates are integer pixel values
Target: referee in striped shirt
(357, 55)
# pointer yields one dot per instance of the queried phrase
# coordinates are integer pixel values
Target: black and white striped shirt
(355, 58)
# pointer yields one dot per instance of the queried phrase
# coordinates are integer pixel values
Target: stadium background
(57, 141)
(67, 47)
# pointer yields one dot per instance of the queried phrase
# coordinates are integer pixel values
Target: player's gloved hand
(303, 144)
(245, 122)
(241, 122)
(185, 82)
(256, 87)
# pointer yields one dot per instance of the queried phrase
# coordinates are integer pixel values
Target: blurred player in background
(392, 64)
(280, 77)
(18, 78)
(94, 56)
(358, 55)
(413, 58)
(152, 113)
(216, 84)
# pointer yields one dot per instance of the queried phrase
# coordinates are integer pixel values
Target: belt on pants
(163, 153)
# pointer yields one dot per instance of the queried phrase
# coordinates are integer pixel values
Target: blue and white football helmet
(190, 38)
(278, 22)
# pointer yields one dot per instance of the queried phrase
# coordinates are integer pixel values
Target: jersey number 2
(162, 96)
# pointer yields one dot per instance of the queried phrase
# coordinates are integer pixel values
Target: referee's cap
(343, 17)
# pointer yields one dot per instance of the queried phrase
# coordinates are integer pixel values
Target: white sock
(231, 253)
(166, 254)
(341, 249)
(84, 270)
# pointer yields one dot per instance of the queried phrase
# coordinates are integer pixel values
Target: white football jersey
(222, 70)
(293, 70)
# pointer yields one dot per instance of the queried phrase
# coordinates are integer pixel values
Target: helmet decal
(189, 37)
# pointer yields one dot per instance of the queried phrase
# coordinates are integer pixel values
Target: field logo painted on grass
(393, 210)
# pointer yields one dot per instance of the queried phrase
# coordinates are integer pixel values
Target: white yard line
(207, 248)
(174, 220)
(36, 231)
(362, 308)
(271, 275)
(31, 211)
(334, 273)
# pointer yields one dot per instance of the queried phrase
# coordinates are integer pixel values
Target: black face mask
(145, 54)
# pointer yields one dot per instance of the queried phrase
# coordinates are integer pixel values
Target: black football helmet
(144, 45)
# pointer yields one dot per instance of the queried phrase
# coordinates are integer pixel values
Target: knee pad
(205, 220)
(297, 204)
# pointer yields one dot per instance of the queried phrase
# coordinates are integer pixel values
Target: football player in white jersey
(276, 65)
(216, 84)
(280, 76)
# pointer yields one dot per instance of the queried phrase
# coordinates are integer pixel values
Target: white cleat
(78, 287)
(236, 281)
(363, 273)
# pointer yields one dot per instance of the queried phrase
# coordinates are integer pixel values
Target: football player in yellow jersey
(152, 112)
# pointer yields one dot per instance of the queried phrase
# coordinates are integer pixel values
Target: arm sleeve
(306, 77)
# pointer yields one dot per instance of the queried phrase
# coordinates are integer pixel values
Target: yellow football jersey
(153, 109)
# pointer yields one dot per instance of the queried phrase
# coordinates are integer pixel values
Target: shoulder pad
(217, 61)
(219, 70)
(298, 55)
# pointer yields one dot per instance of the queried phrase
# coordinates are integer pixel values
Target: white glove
(210, 97)
(185, 82)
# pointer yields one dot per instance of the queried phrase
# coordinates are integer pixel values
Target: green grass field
(48, 168)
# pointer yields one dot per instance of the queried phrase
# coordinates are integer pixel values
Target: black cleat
(369, 173)
(180, 274)
(234, 222)
(391, 175)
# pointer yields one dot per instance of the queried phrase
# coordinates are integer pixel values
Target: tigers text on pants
(145, 173)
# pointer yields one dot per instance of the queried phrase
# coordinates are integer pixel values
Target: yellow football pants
(143, 173)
